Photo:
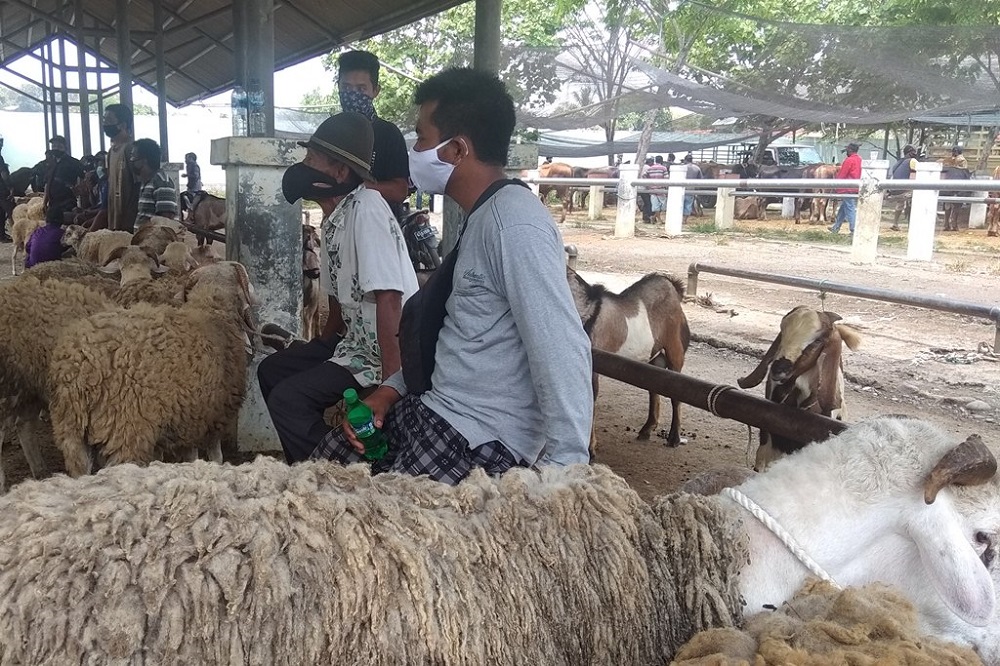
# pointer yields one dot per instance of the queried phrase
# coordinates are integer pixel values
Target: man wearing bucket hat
(849, 170)
(364, 270)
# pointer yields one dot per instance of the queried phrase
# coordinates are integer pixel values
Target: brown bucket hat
(347, 137)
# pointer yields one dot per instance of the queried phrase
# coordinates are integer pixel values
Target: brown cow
(817, 206)
(565, 194)
(993, 210)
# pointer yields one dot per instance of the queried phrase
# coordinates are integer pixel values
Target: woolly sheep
(133, 263)
(76, 271)
(32, 313)
(205, 255)
(26, 218)
(154, 236)
(185, 366)
(178, 258)
(97, 246)
(824, 625)
(207, 563)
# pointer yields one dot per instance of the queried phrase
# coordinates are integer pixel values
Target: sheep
(96, 246)
(133, 263)
(105, 365)
(32, 313)
(178, 258)
(206, 563)
(311, 293)
(156, 237)
(25, 219)
(825, 625)
(76, 271)
(645, 322)
(804, 370)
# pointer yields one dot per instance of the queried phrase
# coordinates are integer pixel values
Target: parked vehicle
(421, 240)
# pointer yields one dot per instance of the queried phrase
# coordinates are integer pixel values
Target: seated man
(366, 272)
(157, 194)
(512, 374)
(45, 243)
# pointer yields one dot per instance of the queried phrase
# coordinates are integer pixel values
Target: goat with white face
(891, 500)
(804, 370)
(646, 323)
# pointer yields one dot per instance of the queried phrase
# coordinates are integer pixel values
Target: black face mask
(303, 182)
(111, 131)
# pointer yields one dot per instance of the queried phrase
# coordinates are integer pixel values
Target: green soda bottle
(360, 416)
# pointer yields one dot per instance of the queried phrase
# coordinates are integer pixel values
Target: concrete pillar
(864, 247)
(486, 49)
(264, 233)
(977, 212)
(675, 202)
(161, 79)
(923, 214)
(173, 171)
(260, 54)
(240, 40)
(124, 37)
(625, 217)
(595, 202)
(725, 208)
(788, 208)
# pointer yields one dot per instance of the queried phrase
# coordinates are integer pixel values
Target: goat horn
(968, 464)
(758, 374)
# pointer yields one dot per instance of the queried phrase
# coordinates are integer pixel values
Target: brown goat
(208, 212)
(645, 322)
(310, 282)
(804, 370)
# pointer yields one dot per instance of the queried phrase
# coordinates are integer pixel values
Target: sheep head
(72, 236)
(178, 257)
(133, 263)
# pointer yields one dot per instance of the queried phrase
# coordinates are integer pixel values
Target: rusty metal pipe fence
(990, 312)
(721, 400)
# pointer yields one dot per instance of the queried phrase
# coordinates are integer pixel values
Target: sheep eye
(982, 537)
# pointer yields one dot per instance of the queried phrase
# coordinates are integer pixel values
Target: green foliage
(662, 121)
(529, 33)
(11, 99)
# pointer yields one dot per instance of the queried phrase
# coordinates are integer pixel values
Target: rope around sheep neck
(771, 524)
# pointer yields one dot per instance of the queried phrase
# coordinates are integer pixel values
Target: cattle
(563, 192)
(993, 210)
(804, 370)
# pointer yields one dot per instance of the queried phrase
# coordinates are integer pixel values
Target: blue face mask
(358, 102)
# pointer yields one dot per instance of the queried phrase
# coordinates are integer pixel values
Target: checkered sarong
(421, 442)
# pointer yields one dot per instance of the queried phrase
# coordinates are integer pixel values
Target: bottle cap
(350, 395)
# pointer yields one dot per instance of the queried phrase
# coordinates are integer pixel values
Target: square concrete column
(977, 212)
(675, 202)
(174, 171)
(864, 247)
(625, 218)
(923, 214)
(264, 233)
(595, 203)
(725, 204)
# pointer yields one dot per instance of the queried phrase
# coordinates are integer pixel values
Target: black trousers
(644, 206)
(298, 385)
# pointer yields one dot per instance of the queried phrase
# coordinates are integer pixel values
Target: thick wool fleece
(823, 626)
(319, 564)
(155, 291)
(122, 381)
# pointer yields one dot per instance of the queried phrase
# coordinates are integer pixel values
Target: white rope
(713, 397)
(770, 523)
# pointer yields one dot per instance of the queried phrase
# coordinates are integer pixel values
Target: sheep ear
(955, 569)
(113, 266)
(758, 374)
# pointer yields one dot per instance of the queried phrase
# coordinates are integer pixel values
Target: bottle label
(365, 429)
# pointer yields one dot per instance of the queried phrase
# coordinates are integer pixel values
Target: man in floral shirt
(365, 271)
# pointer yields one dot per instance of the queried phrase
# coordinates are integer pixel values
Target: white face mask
(429, 172)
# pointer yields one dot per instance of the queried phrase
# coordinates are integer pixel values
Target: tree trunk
(645, 138)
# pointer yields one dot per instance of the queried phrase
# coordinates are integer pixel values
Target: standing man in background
(849, 170)
(123, 190)
(357, 84)
(158, 194)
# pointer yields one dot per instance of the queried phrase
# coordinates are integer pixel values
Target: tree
(416, 51)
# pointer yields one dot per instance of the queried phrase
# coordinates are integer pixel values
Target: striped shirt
(157, 197)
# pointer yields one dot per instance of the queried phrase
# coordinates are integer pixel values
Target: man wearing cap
(849, 170)
(957, 159)
(903, 169)
(366, 272)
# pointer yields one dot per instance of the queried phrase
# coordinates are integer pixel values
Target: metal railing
(967, 308)
(761, 184)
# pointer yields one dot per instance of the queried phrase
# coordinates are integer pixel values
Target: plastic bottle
(255, 106)
(360, 416)
(238, 110)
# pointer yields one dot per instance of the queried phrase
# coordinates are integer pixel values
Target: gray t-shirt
(513, 361)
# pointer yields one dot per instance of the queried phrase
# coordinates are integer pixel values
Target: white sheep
(178, 258)
(201, 563)
(95, 246)
(124, 381)
(26, 218)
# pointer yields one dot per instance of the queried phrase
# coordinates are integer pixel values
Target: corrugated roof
(198, 37)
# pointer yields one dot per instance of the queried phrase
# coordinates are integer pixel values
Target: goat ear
(955, 570)
(849, 335)
(758, 374)
(831, 316)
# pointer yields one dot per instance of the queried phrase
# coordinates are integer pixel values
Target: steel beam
(161, 80)
(125, 51)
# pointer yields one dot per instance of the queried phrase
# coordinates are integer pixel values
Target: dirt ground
(913, 361)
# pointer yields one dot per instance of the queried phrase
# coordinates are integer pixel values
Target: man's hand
(380, 401)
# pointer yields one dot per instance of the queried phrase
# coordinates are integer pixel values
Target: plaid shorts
(421, 442)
